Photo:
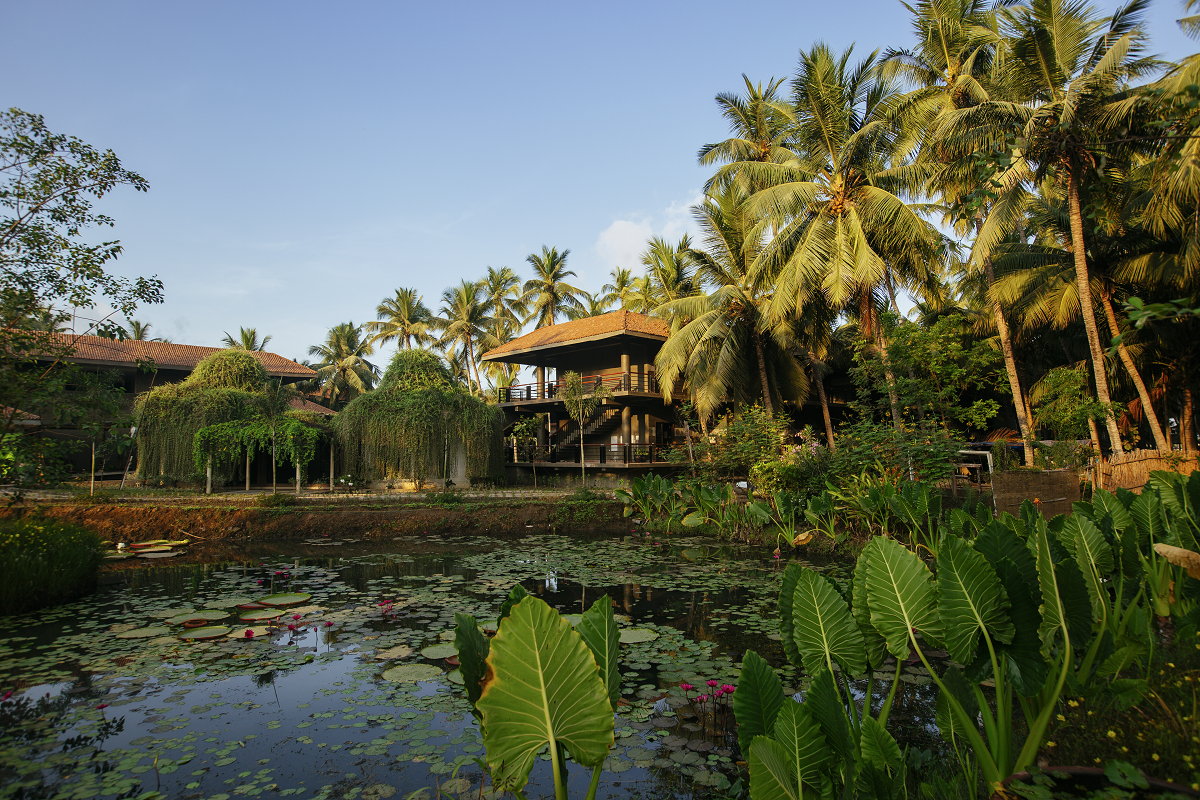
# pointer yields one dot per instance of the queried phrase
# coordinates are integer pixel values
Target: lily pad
(166, 613)
(399, 651)
(144, 633)
(455, 677)
(439, 651)
(191, 615)
(256, 616)
(227, 603)
(637, 635)
(211, 632)
(411, 673)
(240, 633)
(159, 555)
(574, 619)
(286, 599)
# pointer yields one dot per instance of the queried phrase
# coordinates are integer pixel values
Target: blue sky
(305, 159)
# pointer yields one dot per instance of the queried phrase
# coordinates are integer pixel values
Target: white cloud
(621, 243)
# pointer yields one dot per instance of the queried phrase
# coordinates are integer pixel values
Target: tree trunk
(819, 380)
(889, 376)
(1147, 405)
(274, 484)
(93, 489)
(1187, 435)
(762, 373)
(473, 365)
(1010, 362)
(1087, 312)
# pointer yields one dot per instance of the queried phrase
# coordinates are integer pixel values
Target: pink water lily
(249, 633)
(702, 699)
(728, 689)
(687, 687)
(712, 683)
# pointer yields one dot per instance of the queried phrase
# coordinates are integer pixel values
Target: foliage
(276, 501)
(224, 387)
(247, 339)
(343, 373)
(230, 443)
(45, 562)
(414, 424)
(1064, 404)
(732, 448)
(581, 401)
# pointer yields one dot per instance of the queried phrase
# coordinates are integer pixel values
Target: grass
(45, 563)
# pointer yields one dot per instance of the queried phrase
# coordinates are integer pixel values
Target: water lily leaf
(166, 613)
(399, 651)
(211, 632)
(411, 673)
(255, 632)
(158, 555)
(637, 635)
(227, 603)
(256, 616)
(573, 618)
(209, 615)
(286, 599)
(436, 652)
(543, 687)
(456, 677)
(144, 633)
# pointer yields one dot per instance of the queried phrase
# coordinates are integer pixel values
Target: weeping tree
(413, 426)
(290, 437)
(224, 387)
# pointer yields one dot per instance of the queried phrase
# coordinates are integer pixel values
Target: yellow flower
(1073, 703)
(1154, 756)
(1061, 718)
(1112, 734)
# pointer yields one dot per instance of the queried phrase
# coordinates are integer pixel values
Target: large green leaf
(1094, 557)
(971, 601)
(1017, 571)
(823, 702)
(1065, 609)
(757, 699)
(823, 629)
(601, 635)
(542, 687)
(515, 595)
(472, 655)
(950, 726)
(772, 776)
(786, 625)
(877, 745)
(900, 595)
(1148, 516)
(1106, 504)
(875, 646)
(800, 737)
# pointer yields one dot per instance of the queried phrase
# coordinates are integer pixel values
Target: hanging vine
(230, 443)
(221, 389)
(415, 423)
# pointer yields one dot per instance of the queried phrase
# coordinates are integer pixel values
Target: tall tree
(590, 306)
(619, 287)
(404, 318)
(671, 270)
(464, 324)
(761, 123)
(547, 294)
(343, 371)
(247, 340)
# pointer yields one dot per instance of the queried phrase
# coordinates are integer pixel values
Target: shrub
(44, 563)
(276, 500)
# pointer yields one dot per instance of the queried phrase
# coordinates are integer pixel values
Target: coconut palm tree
(464, 325)
(1071, 64)
(671, 269)
(404, 318)
(728, 349)
(502, 293)
(139, 331)
(590, 306)
(761, 122)
(547, 294)
(343, 372)
(247, 340)
(619, 287)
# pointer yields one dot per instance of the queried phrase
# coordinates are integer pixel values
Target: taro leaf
(901, 595)
(825, 705)
(411, 673)
(757, 699)
(877, 745)
(825, 632)
(786, 627)
(637, 635)
(515, 596)
(1148, 516)
(145, 633)
(1015, 566)
(600, 634)
(779, 766)
(472, 655)
(801, 738)
(971, 601)
(1063, 591)
(542, 687)
(1188, 559)
(1106, 504)
(874, 783)
(1094, 557)
(860, 608)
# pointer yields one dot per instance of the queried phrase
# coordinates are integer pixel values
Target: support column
(247, 470)
(207, 484)
(540, 377)
(297, 479)
(626, 418)
(638, 433)
(647, 430)
(625, 372)
(647, 371)
(331, 466)
(542, 433)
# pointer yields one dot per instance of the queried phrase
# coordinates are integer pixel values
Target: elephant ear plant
(539, 683)
(1025, 610)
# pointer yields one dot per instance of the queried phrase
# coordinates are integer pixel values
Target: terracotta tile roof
(613, 323)
(97, 349)
(304, 404)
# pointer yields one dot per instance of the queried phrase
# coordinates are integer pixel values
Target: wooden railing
(548, 390)
(592, 454)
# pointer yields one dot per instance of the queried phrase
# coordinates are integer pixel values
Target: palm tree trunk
(473, 365)
(762, 373)
(1151, 417)
(819, 380)
(1089, 315)
(888, 375)
(274, 484)
(1187, 435)
(1010, 361)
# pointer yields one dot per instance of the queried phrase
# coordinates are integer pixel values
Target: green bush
(44, 563)
(276, 500)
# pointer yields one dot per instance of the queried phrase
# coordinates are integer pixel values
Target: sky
(307, 159)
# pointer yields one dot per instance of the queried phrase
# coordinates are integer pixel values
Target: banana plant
(538, 684)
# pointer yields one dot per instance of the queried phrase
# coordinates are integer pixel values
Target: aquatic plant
(45, 563)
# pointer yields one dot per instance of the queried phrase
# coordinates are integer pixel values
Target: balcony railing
(548, 390)
(592, 454)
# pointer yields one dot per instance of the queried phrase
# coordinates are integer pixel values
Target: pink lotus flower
(728, 689)
(249, 633)
(260, 582)
(702, 699)
(712, 683)
(7, 695)
(102, 706)
(687, 687)
(328, 624)
(295, 616)
(291, 627)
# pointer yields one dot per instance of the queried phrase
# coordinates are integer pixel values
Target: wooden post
(208, 477)
(247, 469)
(93, 490)
(331, 466)
(297, 477)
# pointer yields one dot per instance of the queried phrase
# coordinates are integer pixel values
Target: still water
(108, 701)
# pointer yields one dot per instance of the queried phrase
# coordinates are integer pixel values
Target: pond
(108, 701)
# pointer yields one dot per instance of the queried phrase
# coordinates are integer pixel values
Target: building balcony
(629, 383)
(606, 455)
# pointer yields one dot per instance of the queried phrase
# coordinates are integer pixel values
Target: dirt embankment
(135, 523)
